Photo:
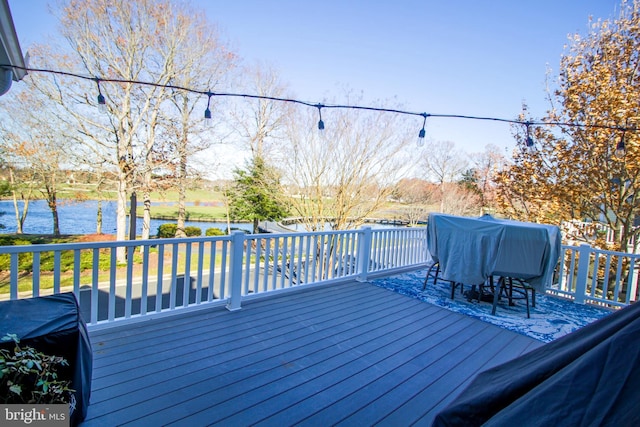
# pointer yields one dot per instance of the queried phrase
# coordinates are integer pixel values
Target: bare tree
(486, 166)
(347, 171)
(206, 63)
(416, 196)
(458, 200)
(260, 122)
(443, 164)
(137, 40)
(36, 145)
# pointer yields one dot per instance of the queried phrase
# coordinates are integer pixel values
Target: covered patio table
(473, 250)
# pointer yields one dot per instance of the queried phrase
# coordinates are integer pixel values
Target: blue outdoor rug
(551, 318)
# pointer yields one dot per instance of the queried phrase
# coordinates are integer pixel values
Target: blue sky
(468, 57)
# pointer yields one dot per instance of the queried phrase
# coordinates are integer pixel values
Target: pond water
(80, 218)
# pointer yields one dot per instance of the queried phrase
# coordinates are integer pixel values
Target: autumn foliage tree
(574, 172)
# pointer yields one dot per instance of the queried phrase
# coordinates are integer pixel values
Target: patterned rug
(551, 318)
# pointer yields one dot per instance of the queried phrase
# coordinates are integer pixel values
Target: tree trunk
(53, 207)
(20, 216)
(146, 215)
(133, 216)
(182, 170)
(121, 218)
(99, 218)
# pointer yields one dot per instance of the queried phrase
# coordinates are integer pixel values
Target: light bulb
(421, 134)
(102, 103)
(207, 112)
(320, 122)
(620, 148)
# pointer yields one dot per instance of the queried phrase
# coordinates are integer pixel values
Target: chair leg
(426, 279)
(533, 298)
(496, 294)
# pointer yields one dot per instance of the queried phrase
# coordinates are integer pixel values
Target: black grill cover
(589, 377)
(53, 325)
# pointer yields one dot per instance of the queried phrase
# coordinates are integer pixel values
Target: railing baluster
(129, 282)
(36, 274)
(56, 272)
(314, 252)
(173, 294)
(307, 253)
(267, 254)
(186, 292)
(13, 276)
(291, 263)
(618, 284)
(223, 270)
(112, 285)
(144, 288)
(76, 273)
(276, 262)
(200, 273)
(247, 266)
(257, 263)
(594, 278)
(95, 286)
(160, 277)
(212, 271)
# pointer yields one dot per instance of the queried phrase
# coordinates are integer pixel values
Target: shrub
(192, 231)
(28, 376)
(214, 231)
(167, 230)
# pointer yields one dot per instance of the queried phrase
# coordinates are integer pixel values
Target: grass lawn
(194, 212)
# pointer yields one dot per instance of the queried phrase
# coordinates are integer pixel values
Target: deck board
(351, 354)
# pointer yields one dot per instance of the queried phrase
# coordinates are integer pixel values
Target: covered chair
(588, 377)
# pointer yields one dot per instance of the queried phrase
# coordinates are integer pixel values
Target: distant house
(10, 52)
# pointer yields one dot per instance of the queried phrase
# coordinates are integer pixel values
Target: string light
(620, 147)
(102, 102)
(207, 112)
(422, 132)
(320, 122)
(529, 141)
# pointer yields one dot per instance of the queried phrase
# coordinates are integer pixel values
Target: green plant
(214, 231)
(167, 230)
(192, 231)
(29, 376)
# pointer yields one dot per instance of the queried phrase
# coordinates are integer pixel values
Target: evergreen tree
(257, 194)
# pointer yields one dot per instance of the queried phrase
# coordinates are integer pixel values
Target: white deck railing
(162, 275)
(597, 276)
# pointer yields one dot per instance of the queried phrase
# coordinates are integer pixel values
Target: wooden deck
(351, 354)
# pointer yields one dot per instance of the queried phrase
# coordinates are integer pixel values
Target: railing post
(364, 253)
(584, 258)
(235, 275)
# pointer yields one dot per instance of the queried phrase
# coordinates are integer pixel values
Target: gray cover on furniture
(472, 249)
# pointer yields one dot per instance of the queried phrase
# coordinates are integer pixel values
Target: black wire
(318, 105)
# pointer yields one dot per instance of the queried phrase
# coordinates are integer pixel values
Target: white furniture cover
(472, 249)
